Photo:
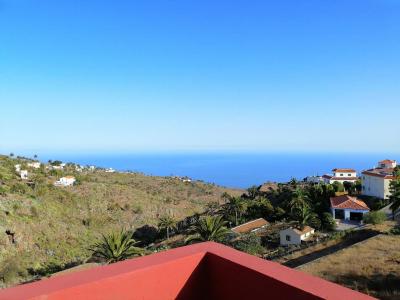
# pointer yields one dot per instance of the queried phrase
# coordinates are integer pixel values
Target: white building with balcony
(376, 181)
(341, 175)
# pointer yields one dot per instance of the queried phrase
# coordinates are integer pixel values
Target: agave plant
(209, 228)
(116, 247)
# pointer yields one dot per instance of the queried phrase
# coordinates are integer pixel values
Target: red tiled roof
(387, 161)
(380, 172)
(344, 170)
(348, 202)
(249, 226)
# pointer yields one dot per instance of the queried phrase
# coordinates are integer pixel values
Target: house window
(288, 238)
(349, 175)
(341, 174)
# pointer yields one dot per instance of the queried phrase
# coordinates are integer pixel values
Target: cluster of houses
(63, 181)
(24, 173)
(374, 182)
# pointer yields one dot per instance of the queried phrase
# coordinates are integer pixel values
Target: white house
(375, 182)
(348, 208)
(294, 236)
(17, 168)
(110, 170)
(341, 175)
(66, 181)
(314, 179)
(34, 164)
(24, 174)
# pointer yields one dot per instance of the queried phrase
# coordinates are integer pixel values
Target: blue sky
(134, 76)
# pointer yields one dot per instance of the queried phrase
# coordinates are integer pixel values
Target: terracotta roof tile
(348, 202)
(249, 226)
(344, 170)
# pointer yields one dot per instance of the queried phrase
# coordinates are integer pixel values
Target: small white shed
(294, 236)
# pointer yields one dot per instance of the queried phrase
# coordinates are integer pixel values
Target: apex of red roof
(348, 202)
(200, 271)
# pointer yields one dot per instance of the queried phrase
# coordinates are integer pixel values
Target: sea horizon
(229, 169)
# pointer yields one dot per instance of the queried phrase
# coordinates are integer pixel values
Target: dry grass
(372, 267)
(53, 227)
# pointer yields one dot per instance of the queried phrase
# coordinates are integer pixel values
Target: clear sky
(222, 75)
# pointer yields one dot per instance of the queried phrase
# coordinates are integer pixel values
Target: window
(341, 174)
(288, 238)
(349, 175)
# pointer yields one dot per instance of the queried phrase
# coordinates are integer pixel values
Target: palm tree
(168, 223)
(212, 208)
(235, 206)
(116, 247)
(303, 214)
(299, 200)
(394, 188)
(209, 229)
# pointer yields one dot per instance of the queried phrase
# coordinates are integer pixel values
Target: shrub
(374, 217)
(395, 230)
(19, 188)
(249, 243)
(339, 187)
(328, 223)
(12, 270)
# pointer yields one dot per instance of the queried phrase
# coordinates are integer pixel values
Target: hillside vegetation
(44, 228)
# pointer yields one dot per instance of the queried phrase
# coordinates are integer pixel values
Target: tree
(209, 228)
(394, 188)
(168, 223)
(259, 208)
(11, 154)
(299, 200)
(302, 214)
(252, 192)
(339, 188)
(116, 247)
(349, 187)
(235, 207)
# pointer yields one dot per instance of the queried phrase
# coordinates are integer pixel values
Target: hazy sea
(232, 170)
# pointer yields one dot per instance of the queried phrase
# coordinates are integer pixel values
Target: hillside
(44, 228)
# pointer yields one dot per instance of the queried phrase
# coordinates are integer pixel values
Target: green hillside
(44, 228)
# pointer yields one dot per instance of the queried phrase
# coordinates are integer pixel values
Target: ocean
(231, 170)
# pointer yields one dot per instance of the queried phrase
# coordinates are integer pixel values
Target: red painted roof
(201, 271)
(348, 202)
